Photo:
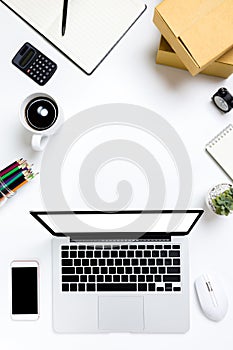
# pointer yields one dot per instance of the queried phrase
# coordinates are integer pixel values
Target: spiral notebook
(220, 149)
(93, 27)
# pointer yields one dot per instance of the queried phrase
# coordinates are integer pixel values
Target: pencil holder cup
(41, 115)
(5, 193)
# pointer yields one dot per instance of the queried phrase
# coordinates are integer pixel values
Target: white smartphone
(25, 290)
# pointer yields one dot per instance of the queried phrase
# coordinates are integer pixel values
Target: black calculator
(35, 64)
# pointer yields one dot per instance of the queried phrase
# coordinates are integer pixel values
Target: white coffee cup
(40, 114)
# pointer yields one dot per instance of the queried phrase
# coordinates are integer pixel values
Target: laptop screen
(120, 225)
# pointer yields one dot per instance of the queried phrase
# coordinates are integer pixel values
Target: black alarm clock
(223, 100)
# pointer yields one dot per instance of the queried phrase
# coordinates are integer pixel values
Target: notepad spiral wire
(220, 136)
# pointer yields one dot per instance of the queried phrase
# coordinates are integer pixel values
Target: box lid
(199, 31)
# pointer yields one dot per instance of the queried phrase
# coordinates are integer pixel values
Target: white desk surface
(128, 75)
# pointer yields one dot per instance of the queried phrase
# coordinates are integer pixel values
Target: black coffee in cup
(41, 113)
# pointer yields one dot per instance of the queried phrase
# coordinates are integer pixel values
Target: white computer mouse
(212, 297)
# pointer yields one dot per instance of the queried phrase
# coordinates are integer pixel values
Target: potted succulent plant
(220, 199)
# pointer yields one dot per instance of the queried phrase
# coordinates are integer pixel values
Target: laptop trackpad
(121, 313)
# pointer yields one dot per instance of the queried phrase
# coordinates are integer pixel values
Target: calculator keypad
(41, 69)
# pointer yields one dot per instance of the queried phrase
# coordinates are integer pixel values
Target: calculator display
(26, 59)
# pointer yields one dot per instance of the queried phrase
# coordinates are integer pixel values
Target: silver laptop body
(106, 280)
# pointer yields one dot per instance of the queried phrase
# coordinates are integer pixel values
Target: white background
(130, 75)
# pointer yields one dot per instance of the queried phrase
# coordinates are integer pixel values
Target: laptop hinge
(159, 238)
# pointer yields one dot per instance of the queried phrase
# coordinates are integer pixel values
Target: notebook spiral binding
(221, 135)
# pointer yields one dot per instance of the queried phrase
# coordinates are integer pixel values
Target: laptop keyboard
(121, 268)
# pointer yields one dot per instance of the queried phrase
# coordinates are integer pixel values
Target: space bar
(116, 287)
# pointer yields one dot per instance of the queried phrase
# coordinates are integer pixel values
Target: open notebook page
(93, 26)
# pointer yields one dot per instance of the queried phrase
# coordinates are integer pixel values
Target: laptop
(125, 271)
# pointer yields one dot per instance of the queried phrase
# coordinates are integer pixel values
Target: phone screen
(24, 290)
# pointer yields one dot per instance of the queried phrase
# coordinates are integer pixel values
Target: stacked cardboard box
(197, 35)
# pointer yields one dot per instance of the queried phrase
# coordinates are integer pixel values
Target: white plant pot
(213, 193)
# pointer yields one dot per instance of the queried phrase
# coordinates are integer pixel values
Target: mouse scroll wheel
(210, 289)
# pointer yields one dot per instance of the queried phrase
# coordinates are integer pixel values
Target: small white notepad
(93, 27)
(221, 147)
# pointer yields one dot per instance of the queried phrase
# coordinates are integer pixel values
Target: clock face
(221, 103)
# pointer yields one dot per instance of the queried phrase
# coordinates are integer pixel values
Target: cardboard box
(222, 67)
(199, 31)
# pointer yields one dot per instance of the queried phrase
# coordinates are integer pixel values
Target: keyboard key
(128, 270)
(150, 246)
(98, 247)
(141, 278)
(79, 270)
(173, 269)
(133, 247)
(167, 246)
(97, 254)
(141, 246)
(87, 270)
(149, 278)
(93, 262)
(138, 254)
(105, 254)
(130, 254)
(82, 247)
(175, 246)
(81, 254)
(151, 261)
(112, 270)
(64, 254)
(124, 247)
(67, 262)
(157, 278)
(124, 278)
(107, 247)
(114, 254)
(159, 262)
(68, 270)
(65, 247)
(122, 254)
(89, 254)
(118, 262)
(108, 278)
(81, 287)
(126, 262)
(134, 262)
(163, 253)
(100, 278)
(142, 287)
(143, 262)
(145, 270)
(168, 261)
(155, 254)
(171, 278)
(132, 278)
(65, 287)
(153, 270)
(85, 262)
(73, 287)
(77, 262)
(70, 278)
(147, 253)
(115, 247)
(104, 270)
(90, 247)
(160, 289)
(151, 287)
(73, 247)
(116, 287)
(90, 287)
(168, 287)
(137, 270)
(177, 289)
(110, 262)
(174, 253)
(176, 261)
(95, 270)
(120, 270)
(83, 278)
(73, 254)
(101, 262)
(158, 246)
(162, 270)
(91, 278)
(116, 278)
